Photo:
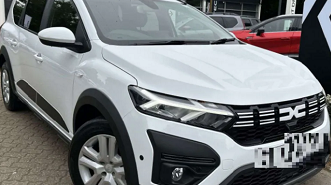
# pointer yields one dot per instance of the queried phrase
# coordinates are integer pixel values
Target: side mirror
(260, 31)
(58, 37)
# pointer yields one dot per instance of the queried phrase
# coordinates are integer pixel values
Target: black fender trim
(4, 52)
(106, 107)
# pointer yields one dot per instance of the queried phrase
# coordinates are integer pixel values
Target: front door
(57, 67)
(277, 37)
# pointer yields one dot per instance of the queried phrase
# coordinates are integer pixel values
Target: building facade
(250, 8)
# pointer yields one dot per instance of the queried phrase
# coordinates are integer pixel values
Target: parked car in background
(231, 22)
(250, 21)
(280, 34)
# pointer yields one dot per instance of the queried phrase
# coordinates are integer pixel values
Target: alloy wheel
(100, 163)
(5, 86)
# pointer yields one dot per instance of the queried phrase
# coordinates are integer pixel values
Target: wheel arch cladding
(105, 106)
(4, 57)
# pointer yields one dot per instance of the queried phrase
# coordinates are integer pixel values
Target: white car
(140, 103)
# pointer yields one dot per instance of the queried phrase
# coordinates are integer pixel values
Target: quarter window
(18, 10)
(33, 15)
(219, 20)
(230, 22)
(64, 14)
(280, 25)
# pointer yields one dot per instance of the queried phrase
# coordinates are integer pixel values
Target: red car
(281, 34)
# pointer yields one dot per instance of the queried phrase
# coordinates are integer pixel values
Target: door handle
(285, 38)
(13, 43)
(38, 58)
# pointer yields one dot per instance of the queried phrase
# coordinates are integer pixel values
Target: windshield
(130, 22)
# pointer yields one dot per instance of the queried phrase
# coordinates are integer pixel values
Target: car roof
(222, 15)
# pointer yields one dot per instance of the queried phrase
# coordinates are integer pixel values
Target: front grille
(267, 123)
(273, 176)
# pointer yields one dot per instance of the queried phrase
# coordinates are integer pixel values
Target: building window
(243, 9)
(196, 3)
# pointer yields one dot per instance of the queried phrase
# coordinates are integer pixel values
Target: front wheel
(94, 157)
(10, 99)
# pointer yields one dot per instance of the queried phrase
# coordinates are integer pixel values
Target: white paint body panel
(57, 34)
(2, 12)
(228, 74)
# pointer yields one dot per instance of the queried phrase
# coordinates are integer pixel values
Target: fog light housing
(179, 161)
(177, 174)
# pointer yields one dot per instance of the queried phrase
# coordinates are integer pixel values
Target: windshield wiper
(173, 42)
(223, 41)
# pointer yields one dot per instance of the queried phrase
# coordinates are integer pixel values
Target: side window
(219, 20)
(247, 22)
(280, 25)
(230, 22)
(298, 26)
(64, 14)
(33, 15)
(18, 10)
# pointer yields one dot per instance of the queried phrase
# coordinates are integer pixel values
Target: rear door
(10, 33)
(277, 37)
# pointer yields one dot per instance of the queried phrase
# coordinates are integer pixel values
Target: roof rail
(222, 13)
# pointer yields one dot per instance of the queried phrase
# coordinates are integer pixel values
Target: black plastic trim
(295, 180)
(236, 172)
(50, 110)
(166, 146)
(42, 103)
(105, 106)
(304, 177)
(28, 90)
(6, 56)
(62, 136)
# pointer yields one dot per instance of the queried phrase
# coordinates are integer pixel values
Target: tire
(10, 99)
(86, 162)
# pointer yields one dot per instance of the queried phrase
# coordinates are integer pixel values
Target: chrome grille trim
(262, 116)
(245, 113)
(270, 114)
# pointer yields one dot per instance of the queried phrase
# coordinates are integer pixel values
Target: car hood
(228, 74)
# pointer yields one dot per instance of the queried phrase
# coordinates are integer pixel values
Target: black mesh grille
(261, 124)
(268, 176)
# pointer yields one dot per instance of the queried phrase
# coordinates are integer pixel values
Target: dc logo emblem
(292, 112)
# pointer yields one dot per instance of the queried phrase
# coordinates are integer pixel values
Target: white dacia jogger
(144, 99)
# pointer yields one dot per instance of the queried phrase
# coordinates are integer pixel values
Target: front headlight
(192, 112)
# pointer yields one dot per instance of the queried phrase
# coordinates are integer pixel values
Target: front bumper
(232, 156)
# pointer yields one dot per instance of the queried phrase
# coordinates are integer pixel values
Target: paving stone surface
(31, 153)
